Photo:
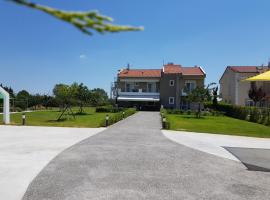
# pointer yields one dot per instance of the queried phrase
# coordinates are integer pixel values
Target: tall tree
(63, 94)
(215, 96)
(98, 97)
(87, 22)
(200, 95)
(22, 99)
(82, 95)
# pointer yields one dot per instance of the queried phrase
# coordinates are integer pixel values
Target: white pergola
(6, 114)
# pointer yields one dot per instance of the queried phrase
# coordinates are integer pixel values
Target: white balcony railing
(138, 93)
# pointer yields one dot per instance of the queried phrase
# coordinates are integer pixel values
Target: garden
(91, 118)
(216, 123)
(215, 117)
(72, 105)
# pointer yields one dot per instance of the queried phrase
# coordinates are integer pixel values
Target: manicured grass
(90, 119)
(218, 125)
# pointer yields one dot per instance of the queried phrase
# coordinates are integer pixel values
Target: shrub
(189, 112)
(175, 111)
(253, 114)
(166, 123)
(116, 117)
(108, 109)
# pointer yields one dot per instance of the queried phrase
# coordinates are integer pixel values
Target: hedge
(108, 109)
(166, 123)
(252, 114)
(116, 117)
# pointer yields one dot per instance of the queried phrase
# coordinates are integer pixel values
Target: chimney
(128, 66)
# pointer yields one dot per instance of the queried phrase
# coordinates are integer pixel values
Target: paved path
(215, 143)
(25, 151)
(133, 160)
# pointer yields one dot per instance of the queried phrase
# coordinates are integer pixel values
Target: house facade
(153, 88)
(234, 90)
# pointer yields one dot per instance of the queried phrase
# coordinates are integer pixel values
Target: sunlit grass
(217, 125)
(89, 119)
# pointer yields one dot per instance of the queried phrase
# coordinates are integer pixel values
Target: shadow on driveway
(254, 159)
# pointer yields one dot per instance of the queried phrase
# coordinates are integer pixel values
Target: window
(127, 87)
(171, 100)
(171, 82)
(136, 84)
(190, 85)
(149, 87)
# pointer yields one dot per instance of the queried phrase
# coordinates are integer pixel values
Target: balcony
(138, 96)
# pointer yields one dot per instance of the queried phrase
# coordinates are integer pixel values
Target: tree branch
(84, 21)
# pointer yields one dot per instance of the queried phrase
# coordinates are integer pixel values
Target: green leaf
(87, 22)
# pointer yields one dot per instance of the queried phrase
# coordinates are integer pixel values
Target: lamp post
(23, 119)
(107, 120)
(164, 123)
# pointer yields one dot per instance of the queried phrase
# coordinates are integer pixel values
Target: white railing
(140, 93)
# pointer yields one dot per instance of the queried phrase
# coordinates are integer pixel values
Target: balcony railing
(139, 92)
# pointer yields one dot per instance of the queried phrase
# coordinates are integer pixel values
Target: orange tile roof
(244, 69)
(248, 69)
(192, 71)
(172, 69)
(178, 69)
(155, 73)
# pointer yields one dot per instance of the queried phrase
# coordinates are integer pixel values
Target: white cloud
(82, 56)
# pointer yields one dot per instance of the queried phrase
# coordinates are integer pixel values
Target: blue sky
(38, 51)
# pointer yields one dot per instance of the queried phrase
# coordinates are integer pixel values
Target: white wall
(6, 113)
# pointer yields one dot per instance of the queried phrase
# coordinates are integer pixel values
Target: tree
(63, 94)
(48, 101)
(256, 94)
(82, 95)
(87, 22)
(199, 95)
(35, 100)
(98, 97)
(215, 96)
(22, 99)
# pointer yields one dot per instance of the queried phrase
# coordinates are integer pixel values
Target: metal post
(164, 123)
(23, 119)
(107, 120)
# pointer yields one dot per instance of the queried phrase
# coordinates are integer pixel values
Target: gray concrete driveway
(133, 160)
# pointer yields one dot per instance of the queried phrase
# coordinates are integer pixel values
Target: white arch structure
(6, 113)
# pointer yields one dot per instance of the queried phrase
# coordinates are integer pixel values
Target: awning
(261, 77)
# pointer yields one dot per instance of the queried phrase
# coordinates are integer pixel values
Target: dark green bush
(175, 111)
(253, 114)
(108, 109)
(118, 116)
(189, 112)
(164, 121)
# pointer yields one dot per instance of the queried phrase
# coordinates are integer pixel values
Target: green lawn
(49, 118)
(217, 125)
